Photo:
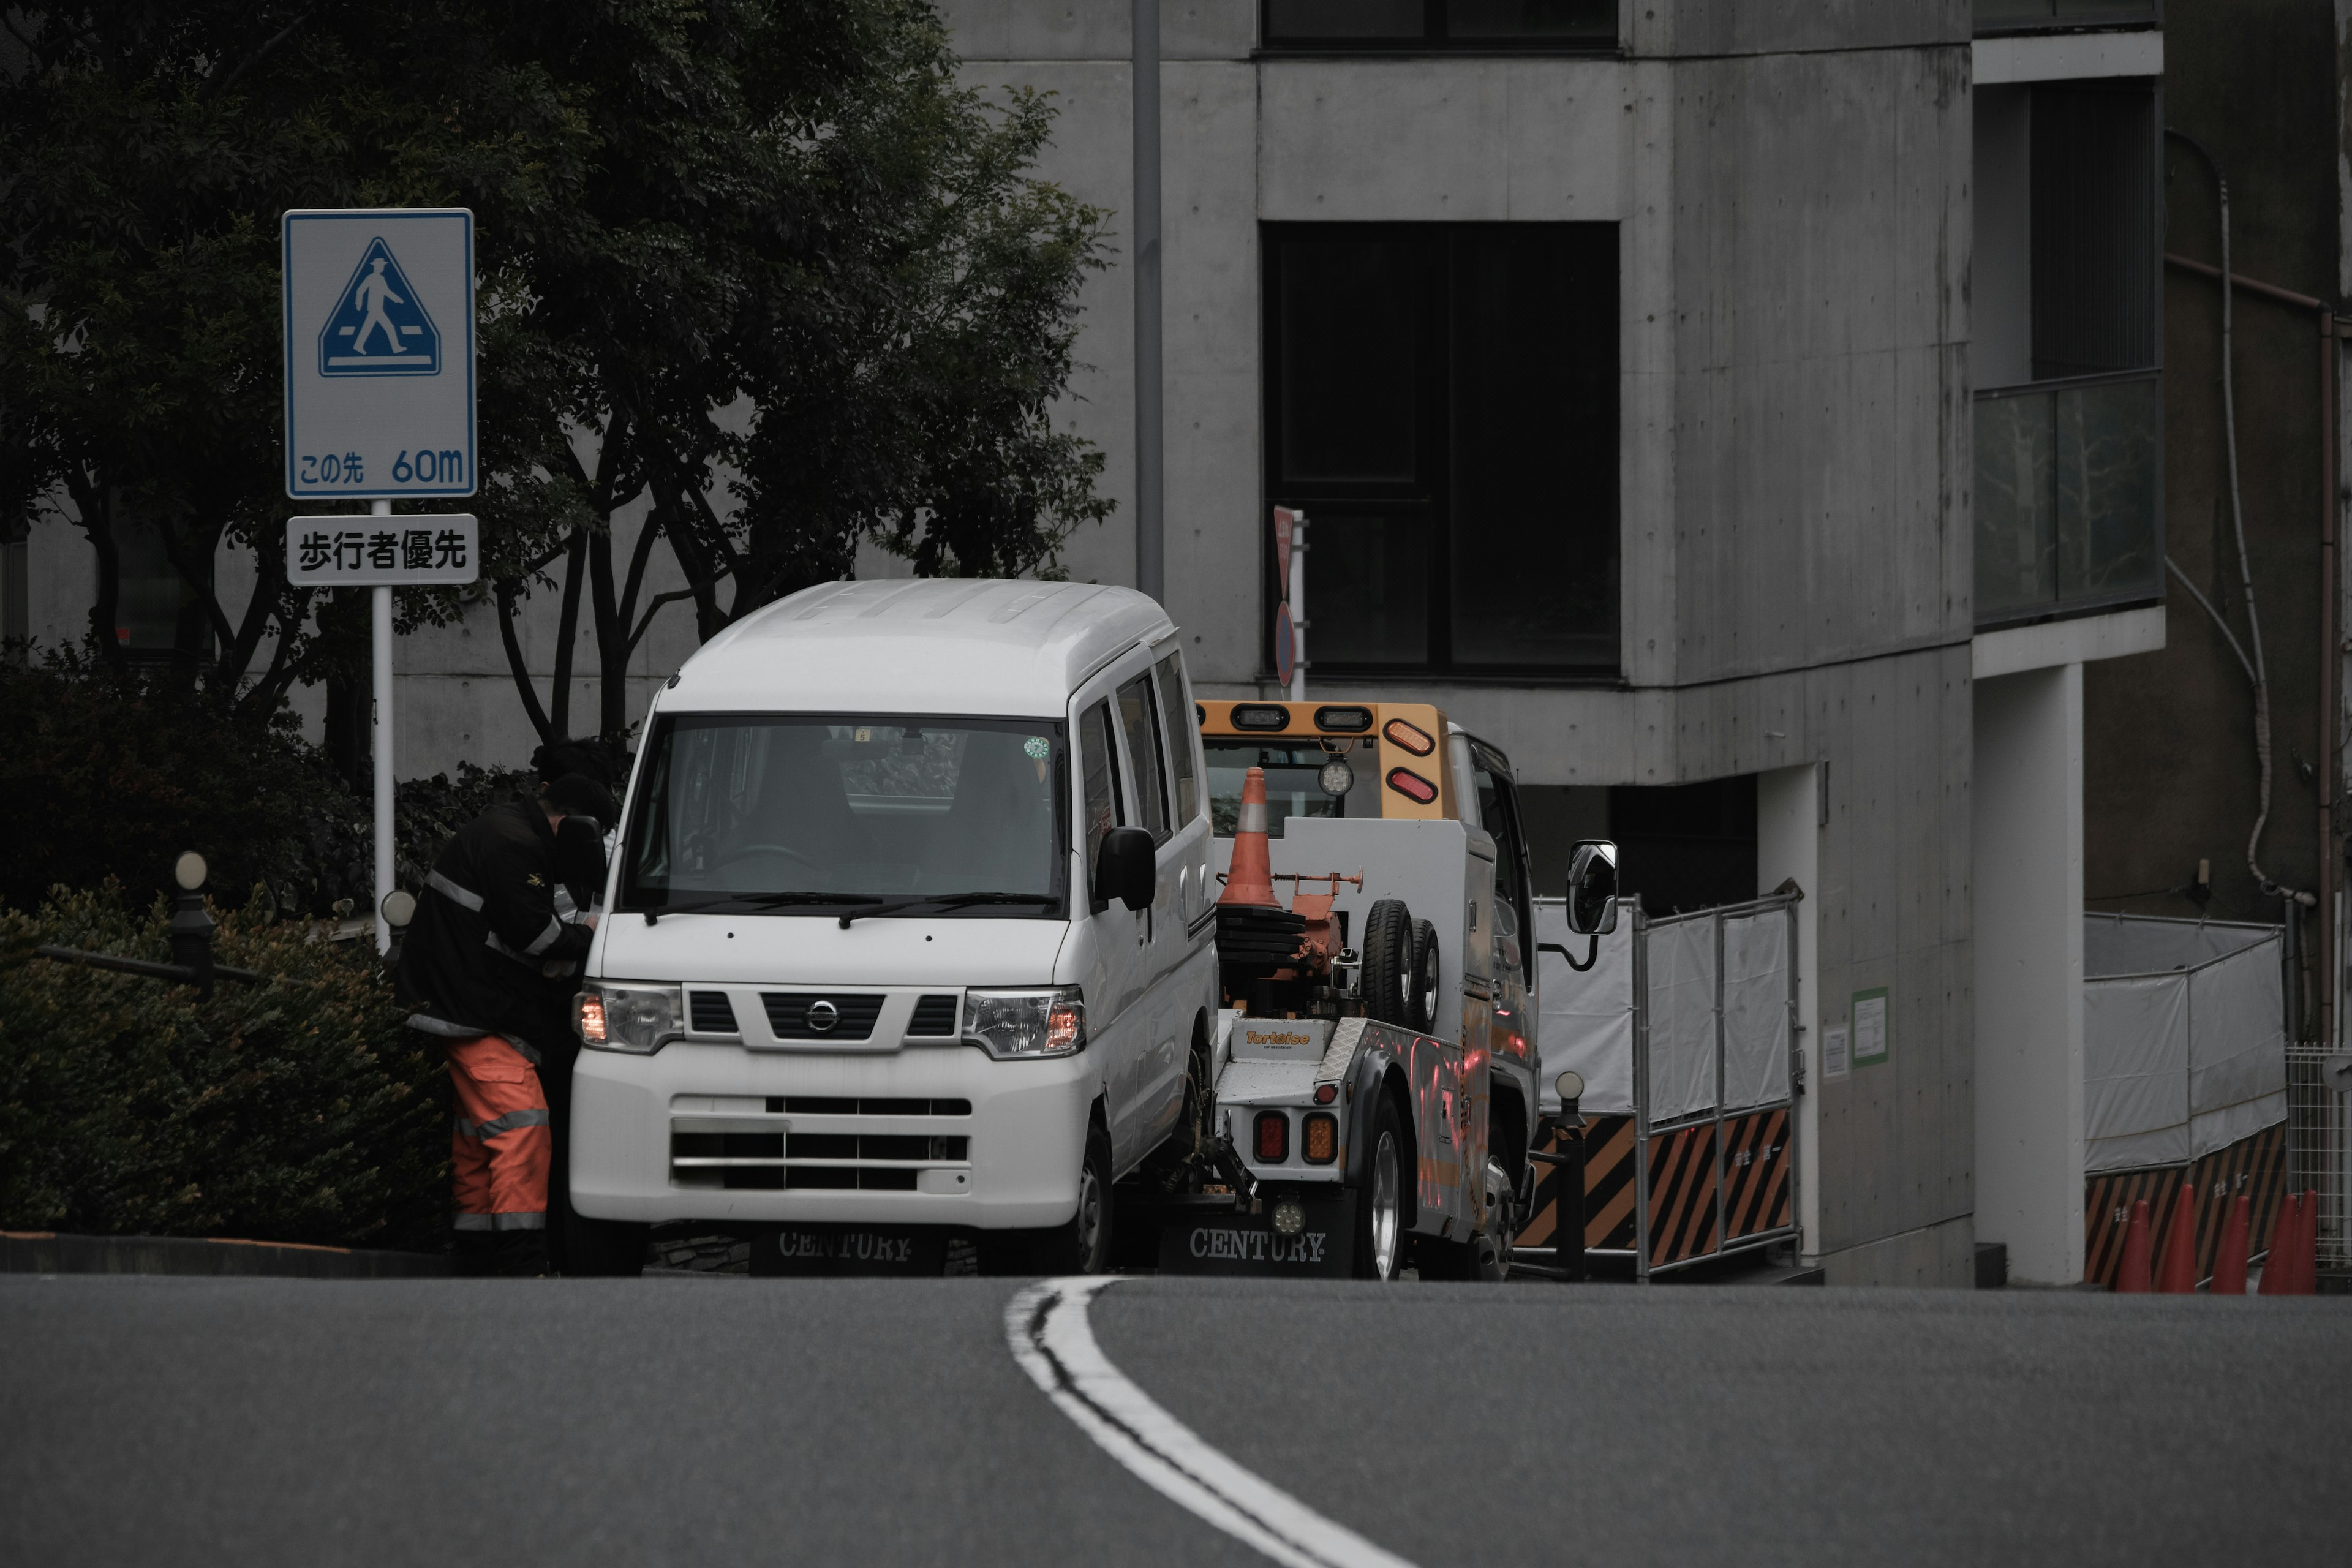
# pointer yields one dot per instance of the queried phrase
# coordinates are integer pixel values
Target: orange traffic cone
(2229, 1262)
(2293, 1239)
(2177, 1276)
(2131, 1277)
(1250, 882)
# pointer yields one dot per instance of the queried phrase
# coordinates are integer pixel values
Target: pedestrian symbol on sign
(378, 326)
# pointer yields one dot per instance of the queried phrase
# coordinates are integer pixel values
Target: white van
(908, 943)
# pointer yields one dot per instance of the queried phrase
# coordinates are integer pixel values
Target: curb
(49, 1252)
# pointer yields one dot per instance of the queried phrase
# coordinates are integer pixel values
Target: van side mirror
(1127, 868)
(1592, 888)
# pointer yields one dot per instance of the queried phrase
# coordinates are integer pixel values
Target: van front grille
(830, 1105)
(770, 1162)
(711, 1012)
(934, 1016)
(821, 1015)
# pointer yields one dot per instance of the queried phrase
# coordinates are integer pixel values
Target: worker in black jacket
(474, 969)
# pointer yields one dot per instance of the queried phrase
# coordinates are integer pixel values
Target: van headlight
(1027, 1023)
(636, 1018)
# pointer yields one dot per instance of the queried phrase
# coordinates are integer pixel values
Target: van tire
(1388, 963)
(1425, 997)
(603, 1248)
(1082, 1244)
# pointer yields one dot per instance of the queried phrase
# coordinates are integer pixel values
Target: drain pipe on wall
(2323, 901)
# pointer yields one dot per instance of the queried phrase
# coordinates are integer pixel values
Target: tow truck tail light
(1411, 786)
(1319, 1140)
(1273, 1138)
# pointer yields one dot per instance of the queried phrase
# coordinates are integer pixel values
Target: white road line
(1046, 1327)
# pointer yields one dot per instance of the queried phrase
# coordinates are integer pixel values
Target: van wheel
(1379, 1217)
(1388, 963)
(1082, 1245)
(603, 1248)
(1427, 999)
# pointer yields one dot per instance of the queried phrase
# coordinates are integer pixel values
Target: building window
(1419, 24)
(2065, 351)
(2029, 15)
(1442, 403)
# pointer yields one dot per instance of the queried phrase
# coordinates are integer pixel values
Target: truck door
(1113, 960)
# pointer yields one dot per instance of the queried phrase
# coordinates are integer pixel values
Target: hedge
(295, 1111)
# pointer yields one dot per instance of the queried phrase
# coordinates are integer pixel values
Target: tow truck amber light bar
(1273, 1138)
(1347, 720)
(1412, 737)
(1261, 716)
(1319, 1138)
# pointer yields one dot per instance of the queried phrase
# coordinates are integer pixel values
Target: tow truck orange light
(1412, 737)
(1263, 716)
(1325, 1093)
(1319, 1140)
(1411, 786)
(1348, 720)
(1273, 1138)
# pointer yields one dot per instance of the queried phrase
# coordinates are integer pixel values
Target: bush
(300, 1111)
(107, 777)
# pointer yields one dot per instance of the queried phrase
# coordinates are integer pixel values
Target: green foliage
(300, 1110)
(113, 775)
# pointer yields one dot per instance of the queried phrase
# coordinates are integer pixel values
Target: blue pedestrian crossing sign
(379, 326)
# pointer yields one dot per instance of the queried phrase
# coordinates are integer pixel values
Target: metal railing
(2318, 1140)
(2068, 497)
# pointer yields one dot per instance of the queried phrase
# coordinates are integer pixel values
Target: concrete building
(1622, 356)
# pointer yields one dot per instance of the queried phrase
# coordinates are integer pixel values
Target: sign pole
(1299, 607)
(381, 747)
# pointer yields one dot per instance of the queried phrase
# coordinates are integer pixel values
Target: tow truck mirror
(1126, 867)
(1592, 888)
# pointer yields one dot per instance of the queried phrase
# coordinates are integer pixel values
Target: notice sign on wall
(1837, 1061)
(1873, 1037)
(349, 551)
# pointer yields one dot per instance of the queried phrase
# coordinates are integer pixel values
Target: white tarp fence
(1586, 1021)
(2184, 1038)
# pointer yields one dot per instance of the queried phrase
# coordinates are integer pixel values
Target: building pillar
(2028, 934)
(1789, 848)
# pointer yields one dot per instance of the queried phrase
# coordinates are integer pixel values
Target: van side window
(1146, 755)
(1176, 724)
(1098, 771)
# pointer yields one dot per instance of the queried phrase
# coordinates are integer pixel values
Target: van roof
(918, 645)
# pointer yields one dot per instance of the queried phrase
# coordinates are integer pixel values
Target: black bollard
(1571, 1195)
(192, 927)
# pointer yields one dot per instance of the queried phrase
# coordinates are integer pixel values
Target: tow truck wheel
(1426, 996)
(1494, 1247)
(1388, 963)
(1379, 1219)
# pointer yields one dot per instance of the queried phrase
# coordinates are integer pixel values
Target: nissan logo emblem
(822, 1016)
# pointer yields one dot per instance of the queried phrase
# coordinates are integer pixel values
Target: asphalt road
(739, 1421)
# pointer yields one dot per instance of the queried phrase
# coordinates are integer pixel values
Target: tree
(146, 151)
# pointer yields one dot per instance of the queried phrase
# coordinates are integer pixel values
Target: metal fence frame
(2318, 1130)
(1644, 1130)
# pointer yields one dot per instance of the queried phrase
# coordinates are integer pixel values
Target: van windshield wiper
(947, 901)
(759, 901)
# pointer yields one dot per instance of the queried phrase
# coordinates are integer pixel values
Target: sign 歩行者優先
(1874, 1027)
(379, 324)
(359, 552)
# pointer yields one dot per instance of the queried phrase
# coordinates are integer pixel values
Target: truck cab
(909, 948)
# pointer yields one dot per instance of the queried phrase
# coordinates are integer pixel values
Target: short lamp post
(192, 926)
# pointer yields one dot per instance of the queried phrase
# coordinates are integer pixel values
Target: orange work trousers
(502, 1145)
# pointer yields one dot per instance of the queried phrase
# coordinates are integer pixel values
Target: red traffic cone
(2229, 1262)
(2177, 1276)
(2291, 1269)
(1250, 882)
(2131, 1276)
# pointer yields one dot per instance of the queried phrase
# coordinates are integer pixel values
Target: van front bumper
(1022, 1142)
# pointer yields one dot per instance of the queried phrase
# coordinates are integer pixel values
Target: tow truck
(1368, 1100)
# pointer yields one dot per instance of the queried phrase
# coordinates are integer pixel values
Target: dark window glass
(1437, 24)
(2093, 245)
(1443, 406)
(2004, 15)
(1344, 19)
(1352, 313)
(1176, 724)
(1534, 451)
(1144, 759)
(1294, 782)
(1098, 773)
(1498, 814)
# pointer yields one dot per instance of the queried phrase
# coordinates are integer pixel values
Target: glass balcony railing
(2067, 498)
(2021, 16)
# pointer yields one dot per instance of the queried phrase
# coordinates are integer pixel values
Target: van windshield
(817, 813)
